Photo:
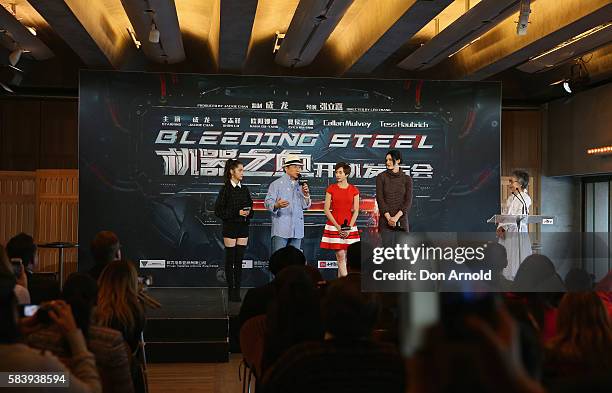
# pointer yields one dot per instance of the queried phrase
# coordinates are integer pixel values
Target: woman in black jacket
(235, 207)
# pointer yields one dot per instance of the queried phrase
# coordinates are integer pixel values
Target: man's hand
(392, 221)
(243, 213)
(306, 190)
(281, 203)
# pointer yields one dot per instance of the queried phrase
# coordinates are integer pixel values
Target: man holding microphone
(287, 200)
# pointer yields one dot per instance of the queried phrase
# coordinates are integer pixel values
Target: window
(597, 221)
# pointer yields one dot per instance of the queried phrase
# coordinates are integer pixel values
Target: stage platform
(193, 325)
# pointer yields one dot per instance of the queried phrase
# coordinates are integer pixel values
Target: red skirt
(332, 241)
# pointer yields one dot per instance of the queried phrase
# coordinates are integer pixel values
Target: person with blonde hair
(118, 305)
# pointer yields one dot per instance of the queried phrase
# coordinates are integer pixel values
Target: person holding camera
(19, 358)
(235, 207)
(342, 210)
(287, 198)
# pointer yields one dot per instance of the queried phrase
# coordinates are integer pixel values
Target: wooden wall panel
(43, 204)
(521, 141)
(59, 135)
(521, 148)
(17, 204)
(57, 199)
(20, 144)
(38, 133)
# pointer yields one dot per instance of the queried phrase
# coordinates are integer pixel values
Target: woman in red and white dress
(341, 209)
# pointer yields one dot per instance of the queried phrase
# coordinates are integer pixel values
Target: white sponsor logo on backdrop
(153, 263)
(247, 263)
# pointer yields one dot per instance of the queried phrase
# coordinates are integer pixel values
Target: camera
(41, 312)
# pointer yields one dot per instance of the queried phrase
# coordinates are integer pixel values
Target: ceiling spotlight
(567, 87)
(154, 34)
(523, 22)
(15, 56)
(579, 77)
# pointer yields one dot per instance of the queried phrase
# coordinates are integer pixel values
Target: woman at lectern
(394, 198)
(235, 207)
(510, 235)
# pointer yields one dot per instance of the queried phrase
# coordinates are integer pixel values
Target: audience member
(21, 284)
(347, 359)
(294, 315)
(537, 273)
(105, 248)
(348, 313)
(111, 352)
(604, 291)
(17, 357)
(118, 304)
(41, 289)
(119, 308)
(496, 259)
(257, 300)
(480, 357)
(578, 280)
(583, 344)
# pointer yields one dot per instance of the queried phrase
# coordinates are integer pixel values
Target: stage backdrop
(152, 148)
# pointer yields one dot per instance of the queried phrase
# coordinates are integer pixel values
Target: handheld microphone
(301, 180)
(345, 226)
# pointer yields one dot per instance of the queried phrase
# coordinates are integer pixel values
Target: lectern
(519, 219)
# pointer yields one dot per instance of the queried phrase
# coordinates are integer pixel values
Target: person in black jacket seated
(257, 300)
(235, 207)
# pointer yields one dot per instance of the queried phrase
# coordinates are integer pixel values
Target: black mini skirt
(235, 230)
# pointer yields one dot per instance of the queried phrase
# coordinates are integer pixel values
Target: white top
(514, 206)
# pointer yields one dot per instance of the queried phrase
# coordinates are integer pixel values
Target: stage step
(191, 326)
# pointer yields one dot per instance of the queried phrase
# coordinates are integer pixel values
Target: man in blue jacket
(287, 200)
